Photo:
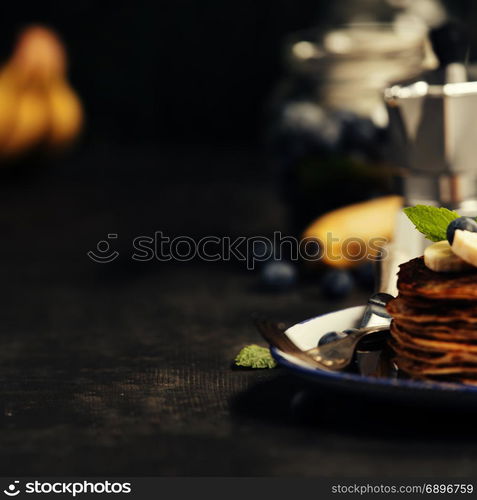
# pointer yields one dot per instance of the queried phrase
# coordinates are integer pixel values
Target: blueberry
(304, 127)
(362, 133)
(359, 132)
(278, 275)
(262, 250)
(337, 283)
(332, 336)
(365, 274)
(463, 223)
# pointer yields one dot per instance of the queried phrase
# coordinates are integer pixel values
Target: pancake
(433, 303)
(466, 381)
(431, 311)
(422, 369)
(451, 379)
(433, 357)
(434, 325)
(429, 344)
(439, 331)
(415, 279)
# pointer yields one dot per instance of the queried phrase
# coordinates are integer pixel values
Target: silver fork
(333, 356)
(338, 354)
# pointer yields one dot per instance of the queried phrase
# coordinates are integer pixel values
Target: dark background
(125, 369)
(183, 71)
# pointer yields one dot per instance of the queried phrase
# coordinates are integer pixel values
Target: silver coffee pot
(433, 132)
(433, 140)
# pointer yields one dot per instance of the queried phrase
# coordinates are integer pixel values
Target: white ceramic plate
(306, 335)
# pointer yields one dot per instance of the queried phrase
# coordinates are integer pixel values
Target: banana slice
(465, 246)
(441, 258)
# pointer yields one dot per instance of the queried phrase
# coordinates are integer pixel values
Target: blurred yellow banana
(30, 123)
(37, 105)
(350, 234)
(8, 104)
(39, 56)
(66, 114)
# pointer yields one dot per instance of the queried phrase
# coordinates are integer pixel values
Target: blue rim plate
(307, 334)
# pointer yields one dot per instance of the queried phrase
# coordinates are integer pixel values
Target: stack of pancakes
(434, 327)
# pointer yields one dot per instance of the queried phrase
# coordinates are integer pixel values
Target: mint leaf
(432, 222)
(254, 356)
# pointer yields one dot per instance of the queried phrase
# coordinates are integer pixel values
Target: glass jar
(327, 119)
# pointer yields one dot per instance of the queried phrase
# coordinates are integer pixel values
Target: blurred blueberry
(363, 132)
(332, 336)
(337, 283)
(304, 127)
(278, 275)
(365, 274)
(262, 250)
(346, 118)
(358, 132)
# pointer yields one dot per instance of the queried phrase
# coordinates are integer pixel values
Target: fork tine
(275, 335)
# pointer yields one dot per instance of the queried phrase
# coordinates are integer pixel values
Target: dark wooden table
(125, 368)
